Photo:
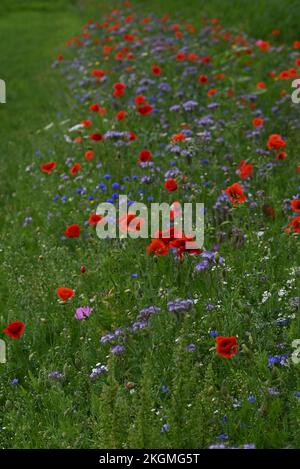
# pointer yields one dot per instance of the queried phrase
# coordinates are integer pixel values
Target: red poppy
(170, 185)
(156, 70)
(94, 107)
(98, 73)
(119, 89)
(275, 141)
(89, 155)
(65, 293)
(235, 193)
(294, 225)
(145, 110)
(180, 137)
(295, 204)
(206, 59)
(48, 167)
(140, 99)
(119, 86)
(245, 169)
(121, 115)
(15, 329)
(180, 244)
(145, 155)
(257, 122)
(75, 169)
(96, 137)
(202, 79)
(211, 92)
(192, 57)
(261, 85)
(158, 248)
(130, 222)
(86, 123)
(72, 231)
(180, 56)
(226, 346)
(132, 136)
(281, 155)
(94, 219)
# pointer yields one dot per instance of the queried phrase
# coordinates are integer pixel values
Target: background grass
(36, 414)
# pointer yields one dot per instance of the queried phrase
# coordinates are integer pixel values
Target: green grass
(117, 410)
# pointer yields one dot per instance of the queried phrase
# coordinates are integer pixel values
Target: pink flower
(83, 312)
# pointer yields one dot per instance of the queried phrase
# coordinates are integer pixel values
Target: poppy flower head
(257, 122)
(96, 137)
(86, 123)
(295, 204)
(211, 92)
(179, 137)
(72, 231)
(130, 222)
(119, 89)
(145, 110)
(89, 155)
(98, 73)
(145, 156)
(275, 142)
(156, 70)
(281, 155)
(121, 115)
(170, 185)
(158, 247)
(294, 225)
(94, 107)
(15, 329)
(94, 219)
(65, 293)
(226, 346)
(202, 79)
(245, 169)
(140, 100)
(75, 169)
(235, 193)
(48, 167)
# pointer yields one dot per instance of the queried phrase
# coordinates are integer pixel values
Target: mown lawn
(169, 388)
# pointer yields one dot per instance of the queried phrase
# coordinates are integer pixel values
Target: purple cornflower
(145, 313)
(190, 348)
(165, 428)
(209, 258)
(107, 338)
(179, 305)
(56, 375)
(274, 359)
(117, 349)
(98, 370)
